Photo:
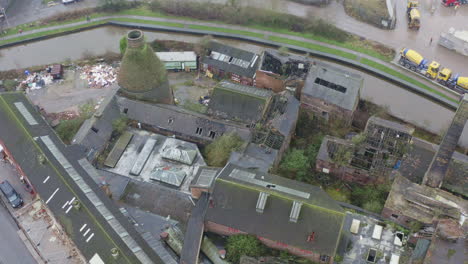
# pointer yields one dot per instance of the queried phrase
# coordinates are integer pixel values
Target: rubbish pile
(99, 76)
(37, 80)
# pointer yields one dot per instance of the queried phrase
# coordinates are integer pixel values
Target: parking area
(8, 172)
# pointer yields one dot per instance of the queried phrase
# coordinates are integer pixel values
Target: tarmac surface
(12, 247)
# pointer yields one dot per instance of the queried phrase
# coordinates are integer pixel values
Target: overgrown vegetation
(240, 245)
(67, 129)
(234, 14)
(370, 197)
(217, 152)
(119, 126)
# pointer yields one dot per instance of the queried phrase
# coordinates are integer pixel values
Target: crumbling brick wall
(347, 174)
(326, 110)
(228, 231)
(397, 217)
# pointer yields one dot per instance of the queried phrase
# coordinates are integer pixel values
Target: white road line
(46, 179)
(65, 204)
(89, 238)
(52, 196)
(83, 227)
(68, 210)
(73, 199)
(85, 233)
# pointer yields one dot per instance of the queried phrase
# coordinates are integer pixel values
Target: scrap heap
(99, 76)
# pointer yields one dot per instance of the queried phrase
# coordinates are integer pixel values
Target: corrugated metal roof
(182, 56)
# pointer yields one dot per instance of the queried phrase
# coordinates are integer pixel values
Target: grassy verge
(142, 21)
(314, 47)
(227, 30)
(50, 32)
(404, 77)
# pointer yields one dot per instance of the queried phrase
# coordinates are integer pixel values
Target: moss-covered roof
(235, 200)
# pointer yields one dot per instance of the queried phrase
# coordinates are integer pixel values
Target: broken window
(199, 131)
(330, 85)
(212, 134)
(170, 120)
(394, 216)
(94, 129)
(125, 110)
(324, 258)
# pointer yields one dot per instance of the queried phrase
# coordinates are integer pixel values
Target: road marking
(72, 200)
(46, 179)
(65, 204)
(68, 210)
(87, 231)
(89, 238)
(52, 196)
(83, 227)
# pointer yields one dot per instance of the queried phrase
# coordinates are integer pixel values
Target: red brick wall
(334, 112)
(346, 173)
(227, 231)
(401, 219)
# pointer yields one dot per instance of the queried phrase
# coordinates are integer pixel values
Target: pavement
(12, 247)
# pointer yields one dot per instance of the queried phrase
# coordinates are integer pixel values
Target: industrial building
(284, 214)
(223, 61)
(331, 93)
(372, 158)
(179, 60)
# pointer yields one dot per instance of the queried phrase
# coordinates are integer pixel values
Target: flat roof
(177, 56)
(62, 176)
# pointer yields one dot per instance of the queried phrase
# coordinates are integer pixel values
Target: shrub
(371, 197)
(119, 125)
(217, 152)
(240, 245)
(297, 163)
(123, 45)
(10, 85)
(67, 129)
(233, 14)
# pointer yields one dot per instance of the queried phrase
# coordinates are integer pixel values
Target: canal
(399, 102)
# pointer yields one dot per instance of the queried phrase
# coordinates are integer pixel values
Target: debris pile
(99, 76)
(36, 81)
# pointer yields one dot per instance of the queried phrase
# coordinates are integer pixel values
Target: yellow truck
(459, 82)
(414, 16)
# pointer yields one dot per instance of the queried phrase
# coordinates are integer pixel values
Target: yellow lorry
(459, 82)
(414, 16)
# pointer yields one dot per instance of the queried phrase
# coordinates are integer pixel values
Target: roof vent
(295, 211)
(262, 199)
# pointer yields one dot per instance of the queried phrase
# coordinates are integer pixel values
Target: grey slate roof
(285, 122)
(179, 121)
(239, 102)
(252, 59)
(69, 176)
(234, 205)
(352, 83)
(391, 124)
(102, 119)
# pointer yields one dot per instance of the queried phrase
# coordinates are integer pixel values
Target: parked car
(13, 197)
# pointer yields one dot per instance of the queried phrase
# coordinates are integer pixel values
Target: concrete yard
(155, 160)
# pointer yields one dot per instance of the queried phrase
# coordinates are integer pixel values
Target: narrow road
(12, 248)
